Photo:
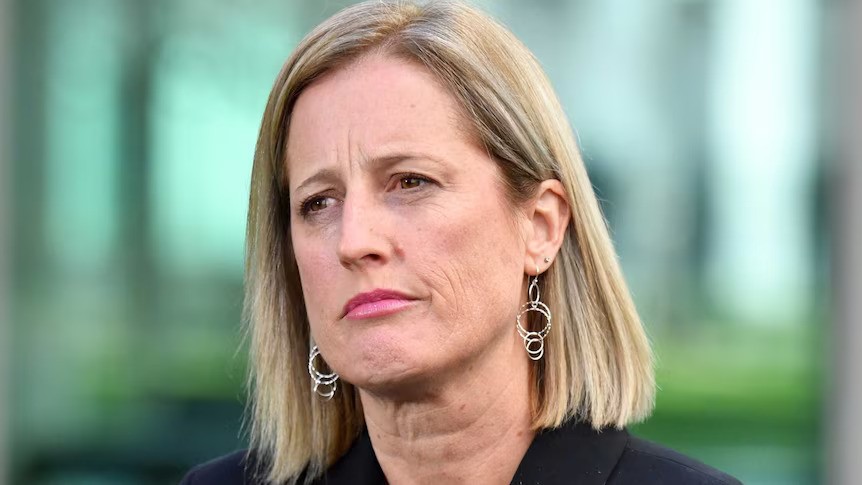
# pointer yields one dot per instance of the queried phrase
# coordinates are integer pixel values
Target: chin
(390, 370)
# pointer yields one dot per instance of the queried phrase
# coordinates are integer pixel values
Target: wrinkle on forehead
(456, 114)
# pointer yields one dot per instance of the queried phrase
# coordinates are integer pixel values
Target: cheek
(476, 270)
(316, 276)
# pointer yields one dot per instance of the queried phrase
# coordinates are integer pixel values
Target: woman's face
(389, 192)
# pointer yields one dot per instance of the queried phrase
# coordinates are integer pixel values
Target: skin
(413, 203)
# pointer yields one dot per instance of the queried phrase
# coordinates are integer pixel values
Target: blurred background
(711, 129)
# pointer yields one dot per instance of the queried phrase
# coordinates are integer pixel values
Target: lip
(376, 303)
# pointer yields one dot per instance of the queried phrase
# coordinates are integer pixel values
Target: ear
(549, 218)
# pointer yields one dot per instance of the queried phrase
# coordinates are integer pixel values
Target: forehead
(375, 104)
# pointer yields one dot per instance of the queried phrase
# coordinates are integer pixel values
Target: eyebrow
(322, 175)
(375, 163)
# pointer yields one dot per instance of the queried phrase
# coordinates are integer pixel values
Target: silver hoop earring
(534, 342)
(322, 384)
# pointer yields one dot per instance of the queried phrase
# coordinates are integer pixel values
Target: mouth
(376, 303)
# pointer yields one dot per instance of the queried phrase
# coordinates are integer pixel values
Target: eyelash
(305, 205)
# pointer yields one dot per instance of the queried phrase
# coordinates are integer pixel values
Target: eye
(412, 181)
(315, 204)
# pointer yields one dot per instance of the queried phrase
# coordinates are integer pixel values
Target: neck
(475, 428)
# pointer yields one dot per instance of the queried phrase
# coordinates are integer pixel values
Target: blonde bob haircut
(598, 363)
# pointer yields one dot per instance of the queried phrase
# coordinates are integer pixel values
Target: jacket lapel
(572, 454)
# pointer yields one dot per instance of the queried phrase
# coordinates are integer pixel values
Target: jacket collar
(572, 454)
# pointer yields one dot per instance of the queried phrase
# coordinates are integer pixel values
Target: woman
(431, 290)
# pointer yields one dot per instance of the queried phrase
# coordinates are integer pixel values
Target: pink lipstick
(376, 303)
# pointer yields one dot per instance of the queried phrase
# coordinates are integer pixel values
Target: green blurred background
(131, 132)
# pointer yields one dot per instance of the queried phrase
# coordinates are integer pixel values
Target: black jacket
(573, 454)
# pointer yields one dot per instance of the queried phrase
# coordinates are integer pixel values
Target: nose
(363, 240)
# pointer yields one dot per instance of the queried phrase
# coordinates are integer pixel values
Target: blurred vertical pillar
(5, 201)
(843, 463)
(763, 136)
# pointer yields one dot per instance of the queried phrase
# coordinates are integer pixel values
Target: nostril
(360, 260)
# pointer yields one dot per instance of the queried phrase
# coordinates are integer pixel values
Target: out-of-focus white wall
(763, 135)
(845, 422)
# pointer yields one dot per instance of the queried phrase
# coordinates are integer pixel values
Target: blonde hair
(598, 363)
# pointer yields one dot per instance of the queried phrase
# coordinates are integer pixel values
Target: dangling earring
(327, 381)
(534, 342)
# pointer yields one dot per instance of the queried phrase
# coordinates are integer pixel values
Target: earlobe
(550, 218)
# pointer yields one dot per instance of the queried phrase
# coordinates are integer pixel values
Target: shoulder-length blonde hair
(597, 365)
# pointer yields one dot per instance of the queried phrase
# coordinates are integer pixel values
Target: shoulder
(642, 458)
(230, 469)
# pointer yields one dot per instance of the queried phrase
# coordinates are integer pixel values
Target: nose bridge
(362, 239)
